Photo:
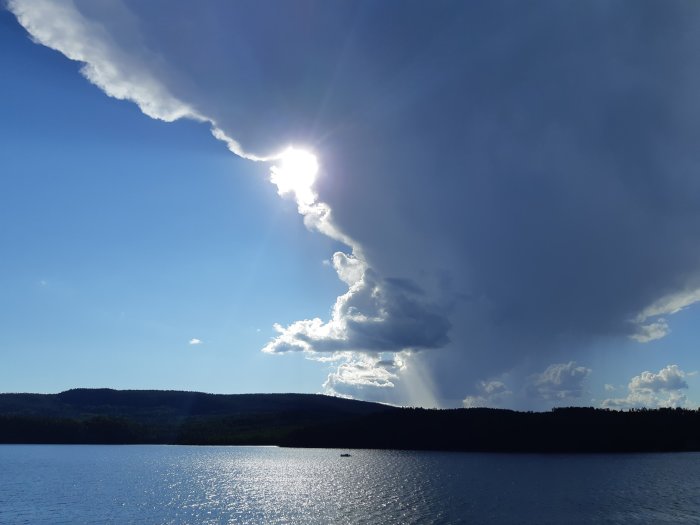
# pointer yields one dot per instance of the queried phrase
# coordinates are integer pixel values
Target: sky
(442, 205)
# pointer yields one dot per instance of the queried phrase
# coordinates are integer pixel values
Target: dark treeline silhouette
(106, 416)
(482, 429)
(169, 417)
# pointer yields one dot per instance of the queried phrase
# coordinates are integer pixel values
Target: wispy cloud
(491, 394)
(560, 382)
(651, 323)
(195, 341)
(651, 331)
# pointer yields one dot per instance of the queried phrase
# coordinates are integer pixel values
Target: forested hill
(307, 420)
(157, 416)
(150, 405)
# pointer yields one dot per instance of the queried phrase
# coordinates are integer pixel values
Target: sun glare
(296, 173)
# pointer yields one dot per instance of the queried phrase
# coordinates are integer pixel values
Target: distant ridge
(106, 416)
(82, 402)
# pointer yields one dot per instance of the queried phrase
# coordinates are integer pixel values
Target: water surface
(178, 484)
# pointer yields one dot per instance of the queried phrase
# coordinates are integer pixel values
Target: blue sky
(505, 214)
(126, 237)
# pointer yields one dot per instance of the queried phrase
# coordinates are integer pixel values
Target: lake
(179, 484)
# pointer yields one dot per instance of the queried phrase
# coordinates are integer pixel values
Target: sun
(296, 173)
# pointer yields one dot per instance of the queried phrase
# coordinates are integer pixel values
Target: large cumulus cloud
(648, 389)
(515, 181)
(375, 315)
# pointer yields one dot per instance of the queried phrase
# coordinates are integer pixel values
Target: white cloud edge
(62, 27)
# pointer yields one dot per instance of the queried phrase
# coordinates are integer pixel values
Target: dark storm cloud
(531, 165)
